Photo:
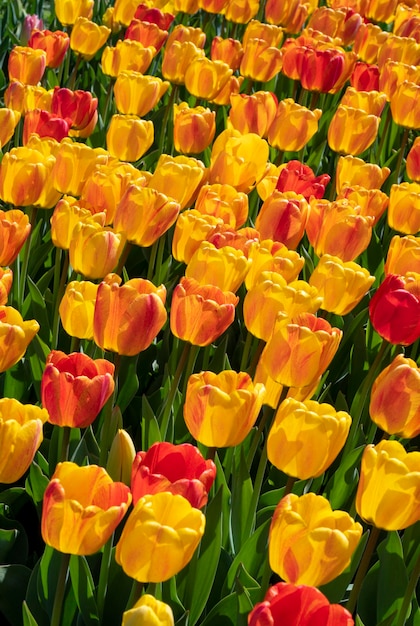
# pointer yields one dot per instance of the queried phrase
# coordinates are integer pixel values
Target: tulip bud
(121, 457)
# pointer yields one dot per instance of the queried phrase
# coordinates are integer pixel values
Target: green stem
(108, 425)
(266, 414)
(388, 118)
(33, 211)
(60, 591)
(409, 592)
(103, 577)
(363, 568)
(158, 278)
(167, 407)
(289, 485)
(123, 258)
(58, 291)
(152, 261)
(168, 113)
(245, 352)
(65, 443)
(401, 154)
(135, 594)
(256, 357)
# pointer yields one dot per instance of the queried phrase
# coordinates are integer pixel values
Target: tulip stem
(266, 414)
(167, 407)
(136, 591)
(289, 485)
(103, 577)
(33, 211)
(123, 258)
(152, 261)
(157, 277)
(409, 592)
(362, 569)
(256, 357)
(58, 292)
(167, 114)
(246, 350)
(60, 591)
(65, 442)
(401, 154)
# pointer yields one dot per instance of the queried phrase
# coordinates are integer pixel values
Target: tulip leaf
(225, 613)
(241, 497)
(38, 310)
(28, 618)
(251, 556)
(13, 583)
(203, 566)
(342, 485)
(392, 577)
(150, 432)
(36, 483)
(130, 382)
(83, 587)
(49, 568)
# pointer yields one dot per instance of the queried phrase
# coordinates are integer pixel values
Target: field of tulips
(209, 313)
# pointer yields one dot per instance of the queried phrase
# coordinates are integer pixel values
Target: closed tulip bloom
(185, 34)
(95, 250)
(395, 398)
(393, 73)
(68, 213)
(146, 33)
(191, 228)
(224, 267)
(67, 11)
(341, 285)
(79, 106)
(73, 164)
(297, 177)
(15, 336)
(127, 56)
(74, 388)
(24, 98)
(154, 15)
(403, 255)
(241, 11)
(371, 102)
(368, 42)
(381, 11)
(354, 171)
(404, 105)
(228, 50)
(25, 178)
(364, 129)
(241, 239)
(201, 313)
(271, 34)
(160, 537)
(87, 37)
(185, 6)
(178, 177)
(6, 280)
(300, 350)
(253, 113)
(291, 14)
(388, 494)
(82, 507)
(301, 605)
(8, 121)
(323, 69)
(44, 124)
(365, 77)
(149, 612)
(26, 65)
(306, 437)
(124, 11)
(238, 160)
(29, 24)
(137, 94)
(293, 126)
(129, 137)
(260, 62)
(194, 128)
(205, 78)
(282, 217)
(309, 543)
(121, 455)
(404, 50)
(404, 208)
(177, 58)
(372, 202)
(274, 389)
(179, 469)
(21, 436)
(128, 318)
(144, 214)
(54, 43)
(220, 409)
(272, 296)
(223, 201)
(76, 309)
(394, 309)
(273, 256)
(14, 230)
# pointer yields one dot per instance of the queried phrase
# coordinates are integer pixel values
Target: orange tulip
(372, 202)
(403, 255)
(194, 128)
(283, 218)
(224, 267)
(241, 11)
(73, 164)
(15, 336)
(404, 208)
(176, 59)
(205, 78)
(14, 230)
(273, 256)
(26, 65)
(253, 113)
(87, 37)
(223, 201)
(352, 131)
(146, 33)
(229, 51)
(192, 227)
(270, 33)
(127, 56)
(95, 250)
(405, 105)
(260, 61)
(137, 94)
(293, 126)
(354, 171)
(291, 14)
(54, 43)
(8, 121)
(179, 178)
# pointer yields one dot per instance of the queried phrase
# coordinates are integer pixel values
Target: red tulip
(297, 177)
(44, 124)
(74, 388)
(298, 605)
(395, 309)
(179, 469)
(80, 106)
(154, 16)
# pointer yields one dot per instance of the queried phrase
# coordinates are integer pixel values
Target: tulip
(229, 51)
(191, 228)
(354, 171)
(365, 77)
(273, 256)
(121, 311)
(297, 177)
(8, 121)
(44, 124)
(25, 178)
(221, 409)
(413, 161)
(260, 62)
(179, 178)
(371, 102)
(127, 56)
(68, 213)
(154, 15)
(233, 86)
(335, 23)
(128, 137)
(185, 6)
(341, 285)
(205, 78)
(241, 239)
(176, 59)
(301, 605)
(395, 398)
(253, 113)
(74, 388)
(368, 41)
(21, 436)
(271, 34)
(121, 456)
(82, 507)
(309, 543)
(394, 309)
(14, 230)
(15, 336)
(213, 6)
(283, 217)
(306, 437)
(223, 201)
(6, 280)
(404, 208)
(274, 390)
(67, 11)
(95, 250)
(381, 11)
(238, 160)
(26, 65)
(124, 11)
(167, 529)
(79, 106)
(327, 219)
(323, 69)
(87, 37)
(73, 164)
(404, 105)
(224, 267)
(55, 44)
(291, 14)
(149, 612)
(29, 24)
(184, 34)
(300, 350)
(372, 202)
(403, 255)
(146, 33)
(77, 307)
(388, 494)
(179, 469)
(200, 313)
(241, 11)
(293, 126)
(364, 129)
(194, 128)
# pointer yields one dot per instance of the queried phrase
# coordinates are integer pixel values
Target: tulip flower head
(149, 612)
(15, 336)
(298, 177)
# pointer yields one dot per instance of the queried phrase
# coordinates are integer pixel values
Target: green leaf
(83, 588)
(149, 425)
(225, 613)
(13, 583)
(366, 605)
(340, 488)
(49, 569)
(28, 618)
(38, 310)
(392, 577)
(241, 497)
(130, 381)
(36, 483)
(252, 555)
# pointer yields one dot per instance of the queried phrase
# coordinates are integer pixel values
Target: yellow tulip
(76, 309)
(15, 336)
(148, 612)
